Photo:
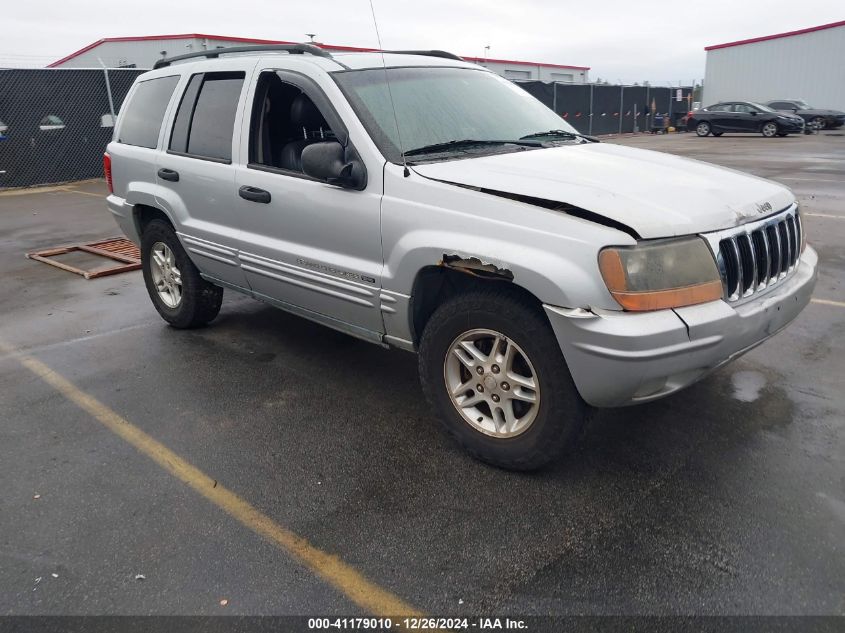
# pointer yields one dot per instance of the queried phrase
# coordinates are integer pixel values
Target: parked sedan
(816, 117)
(743, 116)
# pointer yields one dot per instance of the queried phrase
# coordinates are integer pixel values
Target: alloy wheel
(166, 276)
(492, 383)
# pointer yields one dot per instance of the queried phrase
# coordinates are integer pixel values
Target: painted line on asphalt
(329, 567)
(808, 179)
(828, 302)
(85, 193)
(825, 215)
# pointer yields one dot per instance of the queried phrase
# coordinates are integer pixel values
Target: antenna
(406, 172)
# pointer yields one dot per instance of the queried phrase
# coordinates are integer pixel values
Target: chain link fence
(56, 123)
(611, 109)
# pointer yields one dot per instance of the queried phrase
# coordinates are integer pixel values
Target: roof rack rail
(293, 49)
(434, 53)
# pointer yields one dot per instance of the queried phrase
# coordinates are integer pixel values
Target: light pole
(311, 35)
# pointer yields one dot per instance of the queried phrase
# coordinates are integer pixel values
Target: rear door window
(205, 120)
(144, 114)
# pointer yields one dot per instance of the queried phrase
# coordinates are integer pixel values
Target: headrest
(303, 113)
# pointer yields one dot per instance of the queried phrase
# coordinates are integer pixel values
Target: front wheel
(819, 122)
(492, 369)
(769, 130)
(703, 128)
(180, 295)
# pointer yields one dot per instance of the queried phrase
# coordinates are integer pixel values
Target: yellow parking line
(330, 568)
(828, 302)
(84, 193)
(825, 215)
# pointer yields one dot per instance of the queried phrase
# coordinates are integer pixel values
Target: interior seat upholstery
(305, 118)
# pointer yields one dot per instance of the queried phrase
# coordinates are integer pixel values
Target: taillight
(107, 171)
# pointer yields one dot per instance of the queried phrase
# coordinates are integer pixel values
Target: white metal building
(808, 64)
(143, 51)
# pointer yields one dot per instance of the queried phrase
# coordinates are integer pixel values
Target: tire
(717, 134)
(818, 122)
(181, 296)
(769, 129)
(538, 432)
(703, 128)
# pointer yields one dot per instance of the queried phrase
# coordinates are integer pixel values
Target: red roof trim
(251, 40)
(811, 29)
(481, 60)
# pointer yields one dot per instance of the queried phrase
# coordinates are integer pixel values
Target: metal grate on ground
(118, 249)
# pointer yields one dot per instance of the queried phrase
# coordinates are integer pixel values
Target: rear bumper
(123, 215)
(622, 358)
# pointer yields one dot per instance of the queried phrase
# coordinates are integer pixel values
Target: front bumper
(622, 358)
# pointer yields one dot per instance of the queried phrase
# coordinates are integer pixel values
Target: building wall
(807, 66)
(144, 53)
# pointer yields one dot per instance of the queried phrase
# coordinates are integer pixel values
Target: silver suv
(417, 201)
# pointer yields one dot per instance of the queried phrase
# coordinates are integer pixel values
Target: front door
(303, 243)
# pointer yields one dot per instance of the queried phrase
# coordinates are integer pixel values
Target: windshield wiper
(460, 144)
(559, 134)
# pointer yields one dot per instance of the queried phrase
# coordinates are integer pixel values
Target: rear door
(195, 176)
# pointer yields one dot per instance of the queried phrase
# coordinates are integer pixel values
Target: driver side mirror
(327, 161)
(754, 112)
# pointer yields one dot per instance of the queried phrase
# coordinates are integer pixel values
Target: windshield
(439, 105)
(762, 107)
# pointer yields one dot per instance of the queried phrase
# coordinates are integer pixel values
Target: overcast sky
(619, 39)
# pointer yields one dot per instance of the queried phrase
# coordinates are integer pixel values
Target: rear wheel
(491, 367)
(180, 295)
(703, 128)
(769, 129)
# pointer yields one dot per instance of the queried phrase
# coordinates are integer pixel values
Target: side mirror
(794, 110)
(327, 161)
(754, 112)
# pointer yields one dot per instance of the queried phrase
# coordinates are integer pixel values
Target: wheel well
(438, 283)
(145, 214)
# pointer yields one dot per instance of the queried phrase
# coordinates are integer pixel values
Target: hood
(655, 194)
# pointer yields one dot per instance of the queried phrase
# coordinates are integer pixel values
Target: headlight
(662, 274)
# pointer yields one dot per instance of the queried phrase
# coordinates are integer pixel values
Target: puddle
(747, 385)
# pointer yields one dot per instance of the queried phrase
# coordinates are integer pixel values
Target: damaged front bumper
(623, 358)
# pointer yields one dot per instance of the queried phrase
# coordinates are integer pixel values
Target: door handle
(254, 194)
(168, 174)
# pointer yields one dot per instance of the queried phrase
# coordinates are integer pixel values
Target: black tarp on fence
(609, 109)
(57, 123)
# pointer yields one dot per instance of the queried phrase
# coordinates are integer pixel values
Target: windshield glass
(762, 107)
(438, 105)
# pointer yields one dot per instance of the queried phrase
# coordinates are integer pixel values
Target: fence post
(621, 106)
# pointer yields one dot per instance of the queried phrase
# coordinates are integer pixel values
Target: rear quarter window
(144, 114)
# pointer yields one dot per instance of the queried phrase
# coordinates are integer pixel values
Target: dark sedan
(743, 116)
(816, 117)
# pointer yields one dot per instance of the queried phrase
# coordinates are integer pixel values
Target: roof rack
(293, 49)
(434, 53)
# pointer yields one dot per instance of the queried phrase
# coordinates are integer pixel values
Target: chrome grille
(760, 256)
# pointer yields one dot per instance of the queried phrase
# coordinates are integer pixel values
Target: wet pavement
(728, 498)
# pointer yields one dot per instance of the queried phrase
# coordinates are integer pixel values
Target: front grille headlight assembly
(661, 274)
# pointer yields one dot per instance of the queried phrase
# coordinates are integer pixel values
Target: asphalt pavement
(728, 498)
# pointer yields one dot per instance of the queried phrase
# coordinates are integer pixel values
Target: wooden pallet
(115, 248)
